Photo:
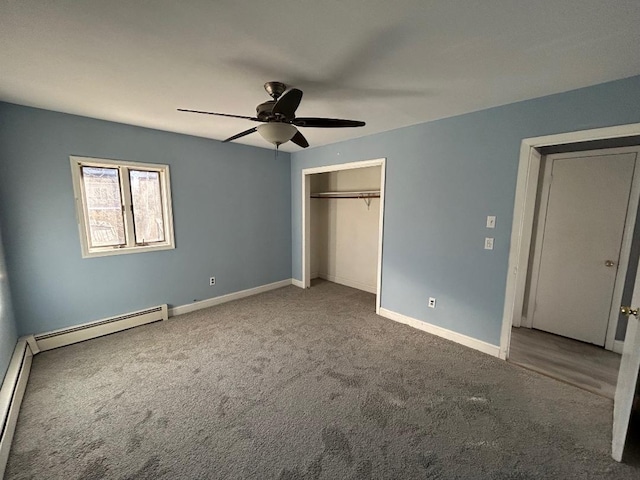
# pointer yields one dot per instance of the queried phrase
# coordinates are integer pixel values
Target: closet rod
(364, 195)
(348, 194)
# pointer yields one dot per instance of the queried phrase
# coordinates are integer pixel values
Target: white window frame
(123, 167)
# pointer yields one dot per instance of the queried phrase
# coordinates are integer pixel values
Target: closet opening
(343, 214)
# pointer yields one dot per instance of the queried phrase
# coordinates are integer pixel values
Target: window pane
(104, 206)
(146, 197)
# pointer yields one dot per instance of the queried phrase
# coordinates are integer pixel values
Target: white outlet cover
(432, 302)
(488, 243)
(212, 281)
(491, 221)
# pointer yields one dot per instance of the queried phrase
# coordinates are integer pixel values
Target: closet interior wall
(344, 231)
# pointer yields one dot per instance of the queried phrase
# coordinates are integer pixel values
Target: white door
(626, 391)
(585, 217)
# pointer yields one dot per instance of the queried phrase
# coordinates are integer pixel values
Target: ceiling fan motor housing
(263, 110)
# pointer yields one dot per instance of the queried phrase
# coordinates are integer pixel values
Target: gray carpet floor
(295, 384)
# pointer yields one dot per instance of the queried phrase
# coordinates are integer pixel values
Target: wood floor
(585, 366)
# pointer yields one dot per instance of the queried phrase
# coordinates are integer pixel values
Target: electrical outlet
(432, 302)
(491, 221)
(488, 243)
(212, 281)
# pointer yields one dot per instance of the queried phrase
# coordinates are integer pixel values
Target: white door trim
(523, 214)
(625, 246)
(306, 216)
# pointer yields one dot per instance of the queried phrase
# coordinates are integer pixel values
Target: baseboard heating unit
(86, 331)
(11, 393)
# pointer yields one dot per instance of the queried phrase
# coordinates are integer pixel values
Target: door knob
(628, 311)
(609, 263)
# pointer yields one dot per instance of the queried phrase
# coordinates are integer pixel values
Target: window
(122, 207)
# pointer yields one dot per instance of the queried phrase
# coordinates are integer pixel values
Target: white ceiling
(389, 63)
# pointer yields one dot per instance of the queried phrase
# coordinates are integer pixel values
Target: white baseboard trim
(230, 297)
(348, 283)
(33, 345)
(11, 395)
(618, 345)
(87, 331)
(470, 342)
(297, 283)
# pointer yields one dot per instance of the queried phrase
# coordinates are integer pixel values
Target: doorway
(578, 267)
(332, 193)
(527, 198)
(523, 232)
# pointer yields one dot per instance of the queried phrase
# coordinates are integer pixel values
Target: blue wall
(231, 206)
(443, 178)
(8, 334)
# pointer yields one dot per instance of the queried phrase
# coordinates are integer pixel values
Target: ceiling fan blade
(254, 119)
(299, 140)
(288, 104)
(326, 122)
(241, 134)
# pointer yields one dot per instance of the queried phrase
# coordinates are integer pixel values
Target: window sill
(106, 252)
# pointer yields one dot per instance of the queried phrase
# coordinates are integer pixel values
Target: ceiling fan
(278, 117)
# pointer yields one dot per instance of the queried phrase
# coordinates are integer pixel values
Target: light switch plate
(491, 221)
(488, 243)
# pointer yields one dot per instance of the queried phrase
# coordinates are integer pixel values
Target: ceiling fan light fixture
(276, 132)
